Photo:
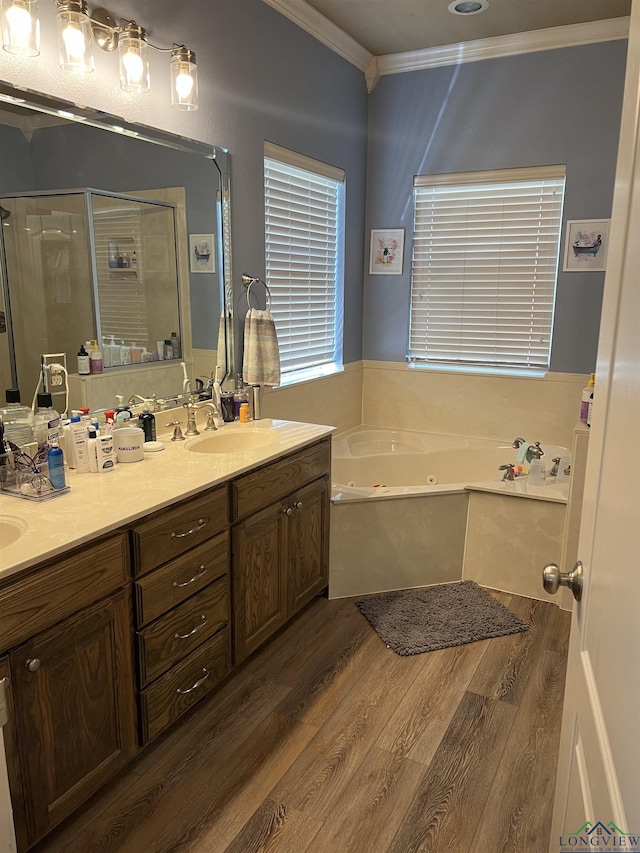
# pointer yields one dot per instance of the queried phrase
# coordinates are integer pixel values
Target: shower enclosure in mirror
(123, 246)
(54, 298)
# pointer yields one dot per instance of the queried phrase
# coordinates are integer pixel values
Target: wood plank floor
(326, 740)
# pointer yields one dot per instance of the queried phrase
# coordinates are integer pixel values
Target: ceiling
(395, 26)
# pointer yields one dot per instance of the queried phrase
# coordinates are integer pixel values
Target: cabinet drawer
(171, 584)
(184, 685)
(171, 532)
(271, 483)
(60, 588)
(174, 635)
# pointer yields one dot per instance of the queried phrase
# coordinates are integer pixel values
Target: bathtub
(410, 509)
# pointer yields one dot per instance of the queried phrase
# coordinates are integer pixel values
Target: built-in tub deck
(411, 509)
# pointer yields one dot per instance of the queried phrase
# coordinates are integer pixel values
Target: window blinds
(303, 243)
(485, 258)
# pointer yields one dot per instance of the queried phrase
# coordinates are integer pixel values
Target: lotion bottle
(84, 368)
(95, 359)
(79, 444)
(587, 396)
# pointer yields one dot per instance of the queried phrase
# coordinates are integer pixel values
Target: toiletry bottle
(147, 423)
(590, 406)
(125, 353)
(93, 458)
(55, 460)
(168, 349)
(227, 406)
(17, 421)
(244, 413)
(160, 350)
(79, 445)
(95, 359)
(46, 423)
(105, 455)
(84, 368)
(175, 345)
(587, 395)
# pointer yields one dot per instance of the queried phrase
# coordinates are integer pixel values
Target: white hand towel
(261, 364)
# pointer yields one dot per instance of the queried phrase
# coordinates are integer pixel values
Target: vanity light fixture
(134, 59)
(75, 52)
(78, 28)
(21, 27)
(184, 79)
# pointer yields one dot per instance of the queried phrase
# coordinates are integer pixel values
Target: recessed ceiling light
(468, 7)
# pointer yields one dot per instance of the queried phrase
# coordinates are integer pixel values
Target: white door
(598, 786)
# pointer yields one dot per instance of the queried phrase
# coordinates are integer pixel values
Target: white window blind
(485, 260)
(304, 202)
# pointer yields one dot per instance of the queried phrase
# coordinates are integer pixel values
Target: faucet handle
(508, 471)
(177, 432)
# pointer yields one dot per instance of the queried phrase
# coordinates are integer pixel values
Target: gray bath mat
(414, 621)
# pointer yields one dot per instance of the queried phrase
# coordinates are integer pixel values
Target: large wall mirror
(114, 232)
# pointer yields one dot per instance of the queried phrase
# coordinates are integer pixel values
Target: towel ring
(248, 280)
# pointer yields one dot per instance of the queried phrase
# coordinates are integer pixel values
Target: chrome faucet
(191, 429)
(212, 414)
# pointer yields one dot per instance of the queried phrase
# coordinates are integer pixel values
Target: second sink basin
(11, 529)
(236, 441)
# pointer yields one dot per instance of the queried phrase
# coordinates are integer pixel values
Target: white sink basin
(238, 441)
(11, 529)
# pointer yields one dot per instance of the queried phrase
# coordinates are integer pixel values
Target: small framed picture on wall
(386, 252)
(201, 253)
(586, 245)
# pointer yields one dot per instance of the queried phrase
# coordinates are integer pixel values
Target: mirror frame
(40, 102)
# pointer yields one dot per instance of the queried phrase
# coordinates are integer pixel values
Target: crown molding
(373, 67)
(321, 28)
(550, 38)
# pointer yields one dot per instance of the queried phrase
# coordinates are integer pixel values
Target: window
(485, 260)
(304, 243)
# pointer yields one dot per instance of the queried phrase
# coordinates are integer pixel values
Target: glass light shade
(134, 59)
(21, 27)
(184, 79)
(74, 37)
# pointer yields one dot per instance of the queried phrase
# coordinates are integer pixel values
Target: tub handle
(508, 471)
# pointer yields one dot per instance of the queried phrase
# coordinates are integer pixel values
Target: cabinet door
(74, 698)
(8, 718)
(259, 580)
(308, 544)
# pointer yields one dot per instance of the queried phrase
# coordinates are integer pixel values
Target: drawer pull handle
(202, 522)
(298, 505)
(196, 685)
(195, 630)
(197, 577)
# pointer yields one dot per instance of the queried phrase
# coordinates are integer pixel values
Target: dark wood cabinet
(183, 608)
(308, 544)
(260, 590)
(75, 718)
(279, 554)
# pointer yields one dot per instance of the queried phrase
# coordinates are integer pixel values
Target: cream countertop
(99, 503)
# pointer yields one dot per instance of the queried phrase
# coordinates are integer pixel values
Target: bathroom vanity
(126, 601)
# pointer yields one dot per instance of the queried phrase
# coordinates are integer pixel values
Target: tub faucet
(533, 451)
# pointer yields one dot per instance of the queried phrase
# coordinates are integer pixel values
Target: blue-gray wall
(559, 106)
(272, 81)
(261, 78)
